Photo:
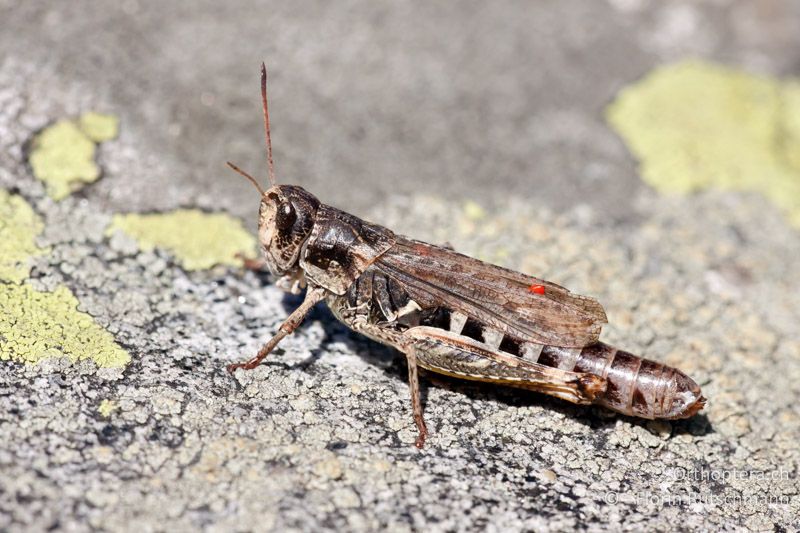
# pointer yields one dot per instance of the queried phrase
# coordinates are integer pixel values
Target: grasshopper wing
(525, 307)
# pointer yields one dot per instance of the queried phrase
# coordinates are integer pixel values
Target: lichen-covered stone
(198, 240)
(37, 325)
(99, 127)
(63, 158)
(107, 407)
(320, 437)
(695, 125)
(19, 227)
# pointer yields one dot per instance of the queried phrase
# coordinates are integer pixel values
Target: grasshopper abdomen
(635, 386)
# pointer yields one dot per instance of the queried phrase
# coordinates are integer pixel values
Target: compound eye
(286, 216)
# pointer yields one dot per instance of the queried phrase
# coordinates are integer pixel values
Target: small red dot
(536, 289)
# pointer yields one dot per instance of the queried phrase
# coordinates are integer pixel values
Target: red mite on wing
(450, 313)
(536, 289)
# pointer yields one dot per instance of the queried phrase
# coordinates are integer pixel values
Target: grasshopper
(450, 313)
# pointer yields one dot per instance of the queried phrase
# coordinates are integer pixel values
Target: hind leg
(416, 400)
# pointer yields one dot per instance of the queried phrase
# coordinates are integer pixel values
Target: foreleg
(289, 325)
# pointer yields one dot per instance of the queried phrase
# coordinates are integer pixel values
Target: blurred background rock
(468, 99)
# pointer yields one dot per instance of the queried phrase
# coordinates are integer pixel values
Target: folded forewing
(526, 307)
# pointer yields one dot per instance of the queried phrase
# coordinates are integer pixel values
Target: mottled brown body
(635, 386)
(453, 314)
(469, 348)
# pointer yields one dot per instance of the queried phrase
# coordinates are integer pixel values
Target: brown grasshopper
(449, 313)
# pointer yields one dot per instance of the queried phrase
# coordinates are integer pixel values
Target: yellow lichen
(695, 125)
(791, 124)
(473, 211)
(63, 158)
(198, 240)
(99, 127)
(107, 407)
(19, 226)
(37, 325)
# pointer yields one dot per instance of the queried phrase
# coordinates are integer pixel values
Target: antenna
(268, 138)
(248, 176)
(266, 124)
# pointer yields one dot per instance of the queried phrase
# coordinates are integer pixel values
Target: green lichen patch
(37, 325)
(198, 240)
(19, 227)
(107, 407)
(98, 126)
(63, 158)
(790, 113)
(474, 211)
(695, 125)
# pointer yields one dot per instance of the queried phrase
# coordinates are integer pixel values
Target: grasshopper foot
(246, 365)
(423, 434)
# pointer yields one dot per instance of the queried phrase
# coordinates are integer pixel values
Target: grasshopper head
(285, 220)
(287, 212)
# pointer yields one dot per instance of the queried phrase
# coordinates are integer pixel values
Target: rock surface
(321, 437)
